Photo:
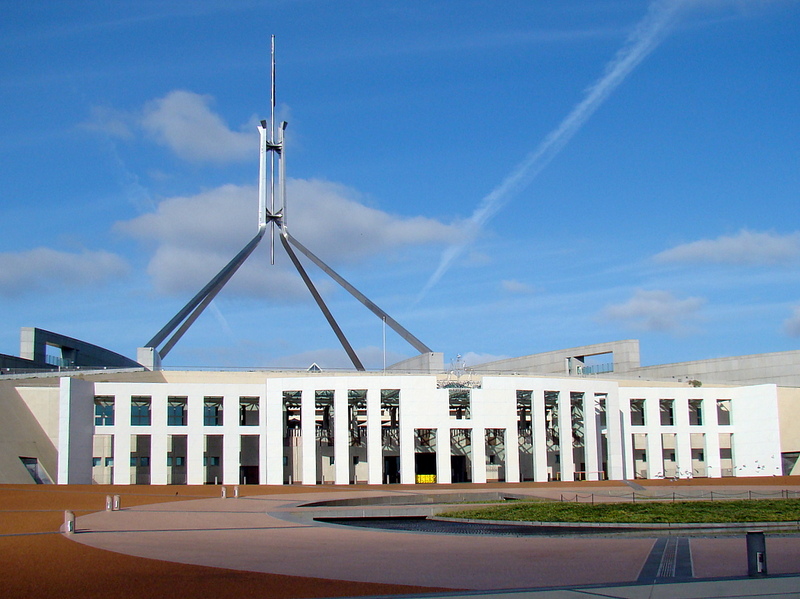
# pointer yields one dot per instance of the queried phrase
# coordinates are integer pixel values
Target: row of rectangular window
(144, 461)
(177, 412)
(666, 408)
(460, 407)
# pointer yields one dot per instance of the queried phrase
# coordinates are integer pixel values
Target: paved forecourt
(274, 534)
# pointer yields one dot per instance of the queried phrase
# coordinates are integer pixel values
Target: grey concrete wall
(781, 368)
(626, 358)
(431, 363)
(33, 343)
(75, 431)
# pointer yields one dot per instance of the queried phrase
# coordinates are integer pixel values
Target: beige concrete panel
(789, 417)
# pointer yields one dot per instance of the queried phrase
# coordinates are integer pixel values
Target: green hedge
(756, 510)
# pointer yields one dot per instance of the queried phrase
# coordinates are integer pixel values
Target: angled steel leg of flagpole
(318, 298)
(396, 326)
(193, 316)
(189, 313)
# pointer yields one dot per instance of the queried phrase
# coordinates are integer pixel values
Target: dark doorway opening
(248, 475)
(391, 469)
(458, 469)
(425, 463)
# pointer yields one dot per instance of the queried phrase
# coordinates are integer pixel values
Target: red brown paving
(233, 547)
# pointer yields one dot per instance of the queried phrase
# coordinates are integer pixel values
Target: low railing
(700, 495)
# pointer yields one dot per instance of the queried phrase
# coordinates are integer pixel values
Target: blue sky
(661, 205)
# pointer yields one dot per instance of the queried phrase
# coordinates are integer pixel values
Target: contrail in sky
(645, 37)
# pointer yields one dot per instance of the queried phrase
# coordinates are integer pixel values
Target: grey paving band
(670, 560)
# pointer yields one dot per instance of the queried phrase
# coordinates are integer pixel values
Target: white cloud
(195, 236)
(333, 218)
(184, 122)
(111, 122)
(42, 268)
(791, 326)
(655, 311)
(747, 248)
(517, 287)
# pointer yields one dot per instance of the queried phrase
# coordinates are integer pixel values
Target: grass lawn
(746, 510)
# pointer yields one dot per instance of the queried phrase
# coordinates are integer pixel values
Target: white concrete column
(683, 443)
(591, 438)
(539, 437)
(158, 452)
(158, 439)
(309, 436)
(374, 437)
(75, 430)
(614, 421)
(443, 472)
(511, 440)
(231, 439)
(712, 430)
(122, 439)
(655, 453)
(271, 443)
(478, 451)
(231, 447)
(122, 452)
(407, 476)
(195, 439)
(565, 436)
(341, 437)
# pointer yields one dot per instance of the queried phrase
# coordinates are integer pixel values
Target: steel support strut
(199, 302)
(318, 298)
(396, 326)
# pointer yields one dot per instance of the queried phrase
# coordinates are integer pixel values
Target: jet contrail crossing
(649, 32)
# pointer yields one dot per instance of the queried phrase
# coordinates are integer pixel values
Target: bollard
(109, 503)
(236, 491)
(115, 503)
(224, 492)
(69, 522)
(756, 554)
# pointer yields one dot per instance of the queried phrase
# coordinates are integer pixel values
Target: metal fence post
(756, 553)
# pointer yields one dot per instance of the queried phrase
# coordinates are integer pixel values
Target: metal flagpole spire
(272, 214)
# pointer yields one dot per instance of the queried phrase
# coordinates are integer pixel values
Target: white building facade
(374, 428)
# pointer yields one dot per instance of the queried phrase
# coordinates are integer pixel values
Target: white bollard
(236, 491)
(69, 522)
(224, 492)
(109, 503)
(115, 503)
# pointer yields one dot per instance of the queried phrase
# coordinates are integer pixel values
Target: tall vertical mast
(272, 155)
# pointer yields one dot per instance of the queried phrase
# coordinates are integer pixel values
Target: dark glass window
(104, 411)
(140, 411)
(212, 411)
(176, 411)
